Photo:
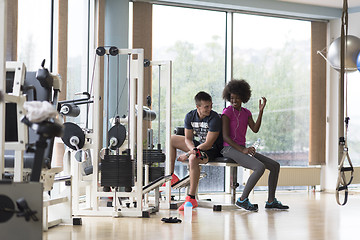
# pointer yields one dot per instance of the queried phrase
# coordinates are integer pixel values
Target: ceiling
(302, 9)
(326, 3)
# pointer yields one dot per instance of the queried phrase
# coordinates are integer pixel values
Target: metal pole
(159, 100)
(107, 101)
(129, 92)
(3, 6)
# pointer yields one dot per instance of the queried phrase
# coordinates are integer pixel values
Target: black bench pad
(222, 160)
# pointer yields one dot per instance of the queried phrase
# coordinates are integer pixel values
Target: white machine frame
(165, 68)
(19, 98)
(3, 18)
(90, 204)
(57, 208)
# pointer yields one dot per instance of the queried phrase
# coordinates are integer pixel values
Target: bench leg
(233, 184)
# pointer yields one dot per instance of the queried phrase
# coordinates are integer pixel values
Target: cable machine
(120, 171)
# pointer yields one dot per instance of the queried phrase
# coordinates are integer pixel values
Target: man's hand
(183, 157)
(199, 154)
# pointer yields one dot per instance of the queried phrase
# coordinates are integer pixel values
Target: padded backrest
(40, 94)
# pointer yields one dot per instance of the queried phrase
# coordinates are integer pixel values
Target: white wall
(330, 173)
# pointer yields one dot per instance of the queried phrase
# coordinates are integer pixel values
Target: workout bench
(221, 162)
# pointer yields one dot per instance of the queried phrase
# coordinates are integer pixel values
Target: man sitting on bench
(202, 141)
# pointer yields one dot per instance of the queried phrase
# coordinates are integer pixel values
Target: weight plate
(70, 130)
(119, 132)
(7, 208)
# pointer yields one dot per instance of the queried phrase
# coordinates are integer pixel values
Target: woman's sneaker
(247, 205)
(276, 205)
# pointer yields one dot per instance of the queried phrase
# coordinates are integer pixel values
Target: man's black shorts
(212, 153)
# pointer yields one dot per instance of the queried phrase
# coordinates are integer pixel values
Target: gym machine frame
(52, 215)
(137, 197)
(17, 97)
(3, 18)
(32, 230)
(165, 70)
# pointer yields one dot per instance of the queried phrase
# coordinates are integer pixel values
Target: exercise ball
(351, 54)
(358, 62)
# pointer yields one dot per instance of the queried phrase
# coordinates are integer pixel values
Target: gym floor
(312, 215)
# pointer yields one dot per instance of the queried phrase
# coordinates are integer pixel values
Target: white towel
(37, 111)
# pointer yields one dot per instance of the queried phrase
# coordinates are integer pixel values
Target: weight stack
(117, 171)
(154, 173)
(153, 156)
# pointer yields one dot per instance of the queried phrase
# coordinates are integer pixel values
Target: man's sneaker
(174, 180)
(107, 189)
(276, 205)
(188, 199)
(247, 205)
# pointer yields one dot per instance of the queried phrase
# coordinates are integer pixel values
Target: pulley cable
(342, 183)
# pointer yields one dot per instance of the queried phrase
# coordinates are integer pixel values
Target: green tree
(282, 75)
(279, 75)
(194, 70)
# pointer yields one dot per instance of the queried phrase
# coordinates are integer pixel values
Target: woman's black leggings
(258, 163)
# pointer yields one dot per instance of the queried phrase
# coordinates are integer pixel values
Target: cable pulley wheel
(113, 51)
(100, 51)
(119, 132)
(71, 130)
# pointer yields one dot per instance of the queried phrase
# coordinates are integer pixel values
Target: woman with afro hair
(235, 120)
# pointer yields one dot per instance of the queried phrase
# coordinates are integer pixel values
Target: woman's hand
(262, 104)
(249, 150)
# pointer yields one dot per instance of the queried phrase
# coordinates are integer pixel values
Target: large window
(34, 33)
(273, 55)
(195, 41)
(77, 65)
